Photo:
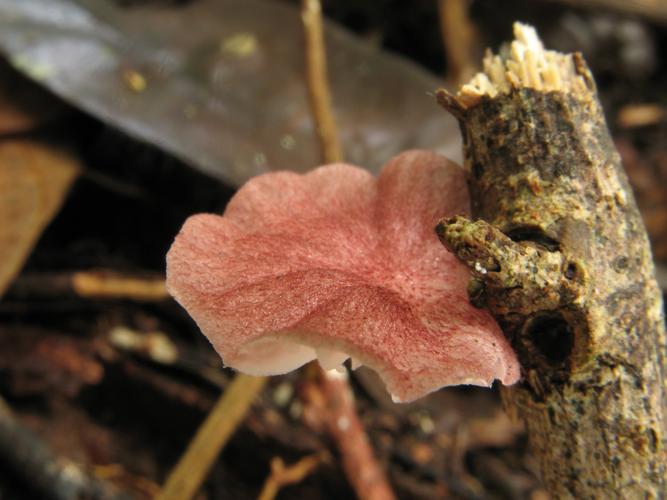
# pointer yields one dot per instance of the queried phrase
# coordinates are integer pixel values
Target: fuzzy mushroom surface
(336, 263)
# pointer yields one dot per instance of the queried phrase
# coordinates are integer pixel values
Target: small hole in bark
(477, 170)
(571, 271)
(652, 440)
(621, 263)
(534, 234)
(552, 336)
(476, 293)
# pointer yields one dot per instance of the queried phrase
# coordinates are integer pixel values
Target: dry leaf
(34, 179)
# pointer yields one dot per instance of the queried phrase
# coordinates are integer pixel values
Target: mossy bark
(561, 258)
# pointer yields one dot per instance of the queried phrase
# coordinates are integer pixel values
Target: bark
(560, 257)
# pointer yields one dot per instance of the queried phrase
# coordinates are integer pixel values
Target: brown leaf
(34, 180)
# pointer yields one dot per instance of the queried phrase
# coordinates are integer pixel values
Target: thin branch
(282, 475)
(188, 475)
(458, 39)
(330, 405)
(96, 285)
(359, 462)
(318, 86)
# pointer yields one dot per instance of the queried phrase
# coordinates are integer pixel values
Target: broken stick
(561, 258)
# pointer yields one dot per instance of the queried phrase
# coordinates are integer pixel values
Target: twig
(54, 477)
(282, 475)
(98, 284)
(318, 86)
(330, 405)
(640, 115)
(358, 458)
(458, 39)
(189, 473)
(111, 285)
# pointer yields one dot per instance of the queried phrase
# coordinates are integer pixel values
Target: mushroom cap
(336, 263)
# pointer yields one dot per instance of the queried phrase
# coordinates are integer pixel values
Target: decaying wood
(560, 256)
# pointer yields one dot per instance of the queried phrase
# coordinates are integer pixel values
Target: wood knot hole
(621, 263)
(551, 335)
(535, 234)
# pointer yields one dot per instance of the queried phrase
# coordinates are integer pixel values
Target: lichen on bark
(559, 255)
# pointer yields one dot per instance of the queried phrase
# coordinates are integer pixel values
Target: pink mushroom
(337, 263)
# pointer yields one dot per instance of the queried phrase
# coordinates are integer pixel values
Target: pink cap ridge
(336, 263)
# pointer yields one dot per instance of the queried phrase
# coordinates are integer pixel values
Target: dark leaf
(219, 83)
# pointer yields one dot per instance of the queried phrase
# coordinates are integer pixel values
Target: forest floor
(119, 384)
